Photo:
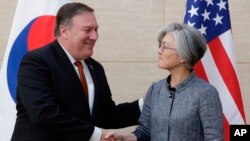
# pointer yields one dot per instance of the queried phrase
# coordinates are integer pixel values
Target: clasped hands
(111, 136)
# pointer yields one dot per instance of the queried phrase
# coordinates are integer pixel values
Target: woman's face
(168, 57)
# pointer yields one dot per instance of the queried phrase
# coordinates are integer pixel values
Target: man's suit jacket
(52, 106)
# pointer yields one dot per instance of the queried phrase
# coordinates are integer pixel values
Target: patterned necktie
(82, 77)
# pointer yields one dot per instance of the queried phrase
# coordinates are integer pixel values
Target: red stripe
(227, 72)
(199, 71)
(226, 129)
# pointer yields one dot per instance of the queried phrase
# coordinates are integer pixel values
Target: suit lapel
(94, 74)
(65, 64)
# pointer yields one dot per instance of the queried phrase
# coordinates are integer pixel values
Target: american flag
(218, 67)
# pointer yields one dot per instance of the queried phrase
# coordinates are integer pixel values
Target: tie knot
(78, 63)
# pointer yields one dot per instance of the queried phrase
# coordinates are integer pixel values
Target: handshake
(111, 136)
(114, 136)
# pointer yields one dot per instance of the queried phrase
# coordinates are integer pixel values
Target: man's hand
(111, 136)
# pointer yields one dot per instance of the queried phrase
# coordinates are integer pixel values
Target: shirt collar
(72, 60)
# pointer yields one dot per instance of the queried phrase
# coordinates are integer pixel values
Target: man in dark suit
(52, 102)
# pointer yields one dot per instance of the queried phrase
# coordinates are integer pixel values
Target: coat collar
(182, 85)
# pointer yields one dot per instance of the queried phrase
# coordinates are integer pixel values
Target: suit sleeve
(114, 116)
(36, 93)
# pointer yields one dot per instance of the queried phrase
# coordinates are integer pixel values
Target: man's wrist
(141, 103)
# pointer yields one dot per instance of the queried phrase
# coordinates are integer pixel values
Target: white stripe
(230, 108)
(227, 42)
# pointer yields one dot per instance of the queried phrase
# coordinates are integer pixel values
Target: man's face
(81, 35)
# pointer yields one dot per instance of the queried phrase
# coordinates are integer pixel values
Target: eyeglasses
(163, 47)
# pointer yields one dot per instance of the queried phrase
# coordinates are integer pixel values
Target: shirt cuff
(141, 102)
(96, 136)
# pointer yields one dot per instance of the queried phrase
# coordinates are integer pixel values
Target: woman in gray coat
(181, 107)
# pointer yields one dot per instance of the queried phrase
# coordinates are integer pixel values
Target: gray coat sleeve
(211, 115)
